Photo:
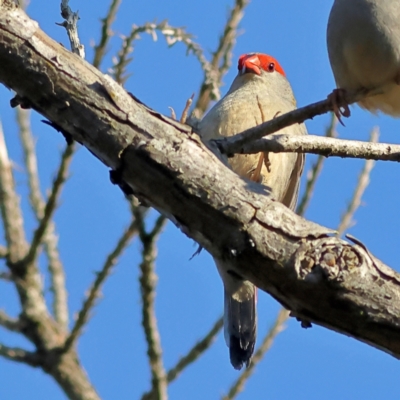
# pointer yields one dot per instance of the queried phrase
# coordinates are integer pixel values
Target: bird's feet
(338, 97)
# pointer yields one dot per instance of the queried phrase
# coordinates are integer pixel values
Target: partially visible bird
(259, 93)
(363, 39)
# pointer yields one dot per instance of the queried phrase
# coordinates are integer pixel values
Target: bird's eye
(271, 67)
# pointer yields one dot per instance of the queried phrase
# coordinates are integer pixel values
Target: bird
(363, 40)
(259, 93)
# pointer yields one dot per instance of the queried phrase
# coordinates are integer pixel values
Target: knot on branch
(323, 260)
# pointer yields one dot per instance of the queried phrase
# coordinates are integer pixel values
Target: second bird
(259, 93)
(363, 40)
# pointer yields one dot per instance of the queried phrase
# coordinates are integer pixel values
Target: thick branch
(318, 277)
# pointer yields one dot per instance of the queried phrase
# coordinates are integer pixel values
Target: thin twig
(94, 291)
(51, 204)
(50, 240)
(196, 351)
(106, 33)
(221, 60)
(276, 328)
(71, 25)
(172, 35)
(6, 276)
(20, 355)
(12, 324)
(314, 172)
(10, 210)
(148, 281)
(192, 355)
(3, 252)
(186, 109)
(328, 147)
(241, 142)
(362, 184)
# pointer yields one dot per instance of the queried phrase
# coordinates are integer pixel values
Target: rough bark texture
(318, 277)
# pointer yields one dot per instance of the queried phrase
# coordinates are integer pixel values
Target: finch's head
(258, 63)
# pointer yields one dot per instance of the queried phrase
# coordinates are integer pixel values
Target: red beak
(251, 64)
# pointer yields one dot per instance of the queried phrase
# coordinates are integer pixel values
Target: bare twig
(6, 276)
(71, 25)
(3, 252)
(148, 281)
(28, 146)
(314, 172)
(276, 328)
(186, 109)
(221, 60)
(172, 35)
(56, 270)
(12, 324)
(363, 182)
(192, 355)
(196, 351)
(94, 291)
(51, 204)
(106, 33)
(328, 147)
(20, 355)
(242, 142)
(10, 210)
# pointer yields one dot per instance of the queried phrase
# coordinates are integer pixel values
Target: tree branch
(71, 25)
(196, 351)
(325, 146)
(363, 182)
(221, 59)
(12, 324)
(317, 276)
(314, 172)
(101, 48)
(56, 270)
(10, 210)
(94, 291)
(20, 355)
(172, 35)
(41, 230)
(148, 281)
(244, 141)
(266, 344)
(3, 252)
(192, 355)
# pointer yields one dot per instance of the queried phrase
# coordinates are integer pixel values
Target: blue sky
(314, 363)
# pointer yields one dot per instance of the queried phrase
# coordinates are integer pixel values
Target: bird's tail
(240, 323)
